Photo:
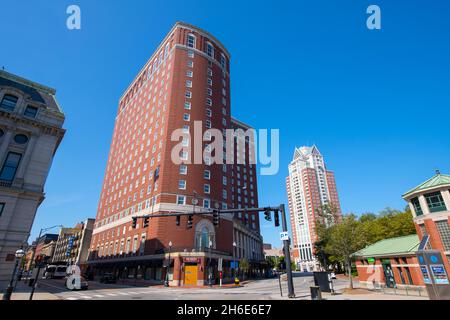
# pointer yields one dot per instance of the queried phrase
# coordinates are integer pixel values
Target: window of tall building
(190, 53)
(186, 117)
(210, 49)
(206, 188)
(417, 208)
(223, 61)
(190, 64)
(435, 202)
(30, 112)
(189, 73)
(183, 169)
(206, 203)
(187, 105)
(8, 102)
(209, 72)
(10, 166)
(444, 233)
(190, 41)
(182, 184)
(207, 174)
(181, 200)
(209, 82)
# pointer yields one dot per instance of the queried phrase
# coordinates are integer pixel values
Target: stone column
(446, 197)
(4, 146)
(424, 205)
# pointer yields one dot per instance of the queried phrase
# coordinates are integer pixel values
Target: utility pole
(287, 254)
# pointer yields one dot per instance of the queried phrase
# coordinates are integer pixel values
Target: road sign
(219, 267)
(284, 236)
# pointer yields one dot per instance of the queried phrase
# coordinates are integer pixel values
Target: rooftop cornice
(28, 83)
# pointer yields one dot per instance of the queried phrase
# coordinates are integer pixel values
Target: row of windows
(435, 203)
(191, 43)
(9, 103)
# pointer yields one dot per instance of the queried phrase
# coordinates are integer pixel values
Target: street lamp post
(19, 255)
(209, 267)
(234, 259)
(166, 283)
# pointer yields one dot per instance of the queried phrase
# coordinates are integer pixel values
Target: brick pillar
(201, 272)
(176, 271)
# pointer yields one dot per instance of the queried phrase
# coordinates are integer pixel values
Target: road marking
(98, 296)
(72, 298)
(132, 292)
(112, 294)
(86, 297)
(124, 293)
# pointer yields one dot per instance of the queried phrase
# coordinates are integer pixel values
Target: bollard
(316, 294)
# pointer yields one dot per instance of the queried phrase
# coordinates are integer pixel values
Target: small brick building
(390, 262)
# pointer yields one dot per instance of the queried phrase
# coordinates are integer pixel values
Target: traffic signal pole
(216, 213)
(287, 254)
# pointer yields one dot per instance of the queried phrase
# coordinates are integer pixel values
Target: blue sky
(376, 103)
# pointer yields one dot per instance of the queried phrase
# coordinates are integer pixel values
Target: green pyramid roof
(388, 247)
(438, 180)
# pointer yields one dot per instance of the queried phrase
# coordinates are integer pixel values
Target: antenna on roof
(438, 172)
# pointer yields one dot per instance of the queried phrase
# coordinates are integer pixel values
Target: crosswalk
(96, 295)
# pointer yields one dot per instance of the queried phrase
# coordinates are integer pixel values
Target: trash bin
(316, 294)
(322, 280)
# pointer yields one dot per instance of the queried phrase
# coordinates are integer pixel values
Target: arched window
(210, 49)
(9, 102)
(190, 41)
(204, 233)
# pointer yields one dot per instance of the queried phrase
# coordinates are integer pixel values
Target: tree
(244, 266)
(346, 238)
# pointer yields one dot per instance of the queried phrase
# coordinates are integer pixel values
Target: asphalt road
(267, 289)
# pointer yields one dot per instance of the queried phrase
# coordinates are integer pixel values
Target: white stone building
(30, 132)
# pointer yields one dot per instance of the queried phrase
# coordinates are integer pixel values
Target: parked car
(108, 278)
(71, 283)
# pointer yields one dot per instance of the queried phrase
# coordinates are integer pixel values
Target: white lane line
(72, 298)
(99, 296)
(86, 297)
(124, 293)
(132, 292)
(112, 294)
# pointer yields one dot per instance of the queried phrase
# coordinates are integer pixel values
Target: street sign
(219, 267)
(284, 236)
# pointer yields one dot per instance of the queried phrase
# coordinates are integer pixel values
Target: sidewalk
(22, 292)
(364, 294)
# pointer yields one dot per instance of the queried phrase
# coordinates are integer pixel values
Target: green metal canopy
(438, 180)
(390, 247)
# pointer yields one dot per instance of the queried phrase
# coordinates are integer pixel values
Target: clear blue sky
(377, 103)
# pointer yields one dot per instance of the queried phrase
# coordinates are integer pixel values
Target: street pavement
(265, 289)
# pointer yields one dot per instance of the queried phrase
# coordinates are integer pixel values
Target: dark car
(108, 278)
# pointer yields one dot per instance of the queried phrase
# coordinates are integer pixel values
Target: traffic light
(146, 222)
(277, 218)
(134, 223)
(216, 218)
(178, 220)
(267, 214)
(190, 222)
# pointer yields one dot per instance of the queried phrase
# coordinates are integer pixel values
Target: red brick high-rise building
(184, 85)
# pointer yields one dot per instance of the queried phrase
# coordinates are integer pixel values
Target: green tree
(345, 239)
(244, 266)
